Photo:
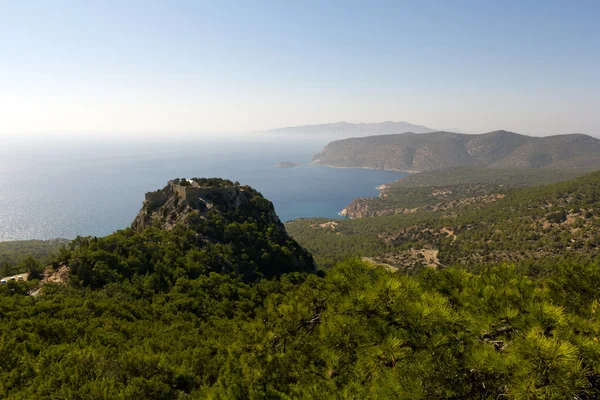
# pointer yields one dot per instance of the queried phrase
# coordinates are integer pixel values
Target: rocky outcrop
(363, 207)
(224, 213)
(180, 204)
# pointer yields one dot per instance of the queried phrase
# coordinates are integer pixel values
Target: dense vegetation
(206, 182)
(216, 308)
(509, 177)
(534, 225)
(361, 332)
(16, 256)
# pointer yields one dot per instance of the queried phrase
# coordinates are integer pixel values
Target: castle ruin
(190, 193)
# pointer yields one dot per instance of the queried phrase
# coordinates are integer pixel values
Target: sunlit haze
(156, 68)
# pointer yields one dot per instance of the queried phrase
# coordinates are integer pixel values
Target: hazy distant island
(347, 129)
(286, 164)
(410, 152)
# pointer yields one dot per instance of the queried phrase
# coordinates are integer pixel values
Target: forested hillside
(533, 225)
(411, 152)
(222, 304)
(361, 332)
(445, 189)
(17, 256)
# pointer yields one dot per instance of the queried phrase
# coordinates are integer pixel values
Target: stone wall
(186, 193)
(157, 198)
(190, 193)
(181, 190)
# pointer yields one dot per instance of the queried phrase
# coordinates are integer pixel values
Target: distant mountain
(434, 150)
(347, 129)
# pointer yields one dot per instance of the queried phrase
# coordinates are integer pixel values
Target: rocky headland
(410, 152)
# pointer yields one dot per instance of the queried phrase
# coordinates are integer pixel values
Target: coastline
(409, 171)
(383, 186)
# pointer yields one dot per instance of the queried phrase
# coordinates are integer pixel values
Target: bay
(66, 188)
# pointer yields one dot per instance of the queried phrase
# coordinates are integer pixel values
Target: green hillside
(220, 305)
(452, 187)
(15, 256)
(411, 152)
(511, 177)
(531, 224)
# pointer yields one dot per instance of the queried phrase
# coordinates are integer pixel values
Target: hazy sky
(191, 66)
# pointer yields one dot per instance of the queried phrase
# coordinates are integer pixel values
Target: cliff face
(410, 152)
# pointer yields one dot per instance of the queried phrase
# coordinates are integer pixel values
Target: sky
(174, 67)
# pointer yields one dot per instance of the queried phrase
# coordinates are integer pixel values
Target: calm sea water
(65, 189)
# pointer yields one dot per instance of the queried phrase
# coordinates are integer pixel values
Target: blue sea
(65, 188)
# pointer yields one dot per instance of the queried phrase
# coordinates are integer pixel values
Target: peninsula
(410, 152)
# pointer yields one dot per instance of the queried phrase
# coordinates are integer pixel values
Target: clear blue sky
(194, 66)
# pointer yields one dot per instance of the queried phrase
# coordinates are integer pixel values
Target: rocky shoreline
(361, 206)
